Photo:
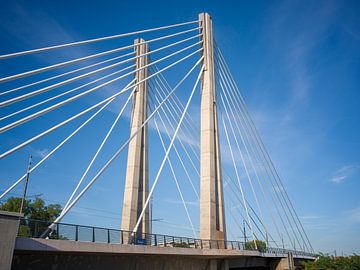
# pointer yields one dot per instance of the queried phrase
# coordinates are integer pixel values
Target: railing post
(93, 234)
(108, 236)
(121, 237)
(201, 244)
(76, 233)
(36, 229)
(58, 230)
(164, 241)
(155, 240)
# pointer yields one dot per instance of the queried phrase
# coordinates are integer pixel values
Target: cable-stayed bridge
(189, 124)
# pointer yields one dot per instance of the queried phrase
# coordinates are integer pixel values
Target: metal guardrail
(64, 231)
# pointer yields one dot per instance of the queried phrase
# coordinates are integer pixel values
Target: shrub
(261, 245)
(182, 245)
(334, 263)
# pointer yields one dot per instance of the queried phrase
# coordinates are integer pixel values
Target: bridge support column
(284, 263)
(9, 225)
(136, 183)
(212, 219)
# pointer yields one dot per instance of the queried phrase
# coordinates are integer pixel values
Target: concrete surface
(9, 225)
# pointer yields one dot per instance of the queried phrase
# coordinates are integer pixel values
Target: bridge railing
(65, 231)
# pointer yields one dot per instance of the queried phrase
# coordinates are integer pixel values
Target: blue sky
(297, 64)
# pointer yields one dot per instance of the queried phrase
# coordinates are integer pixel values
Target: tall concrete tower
(137, 171)
(212, 216)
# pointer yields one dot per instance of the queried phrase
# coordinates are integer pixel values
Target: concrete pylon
(212, 218)
(137, 172)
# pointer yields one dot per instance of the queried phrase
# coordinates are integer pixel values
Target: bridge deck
(66, 246)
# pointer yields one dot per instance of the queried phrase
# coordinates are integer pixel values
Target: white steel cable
(177, 153)
(50, 87)
(99, 149)
(228, 210)
(57, 105)
(248, 117)
(239, 149)
(188, 123)
(64, 93)
(94, 106)
(92, 181)
(183, 132)
(241, 101)
(226, 91)
(274, 201)
(162, 90)
(167, 153)
(89, 83)
(43, 69)
(243, 161)
(238, 207)
(231, 100)
(176, 103)
(55, 149)
(65, 74)
(179, 139)
(92, 40)
(238, 179)
(276, 207)
(176, 181)
(166, 86)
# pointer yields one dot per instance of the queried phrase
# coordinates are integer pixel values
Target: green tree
(261, 245)
(334, 263)
(34, 211)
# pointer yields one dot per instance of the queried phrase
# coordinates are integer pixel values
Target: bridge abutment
(283, 263)
(9, 225)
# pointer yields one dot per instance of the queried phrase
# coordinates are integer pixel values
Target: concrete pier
(137, 174)
(212, 220)
(9, 226)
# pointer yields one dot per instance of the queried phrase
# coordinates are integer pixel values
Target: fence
(63, 231)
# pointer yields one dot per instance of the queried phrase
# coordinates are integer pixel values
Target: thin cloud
(191, 203)
(310, 217)
(344, 173)
(38, 152)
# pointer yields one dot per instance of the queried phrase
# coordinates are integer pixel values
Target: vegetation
(334, 263)
(261, 245)
(32, 210)
(182, 245)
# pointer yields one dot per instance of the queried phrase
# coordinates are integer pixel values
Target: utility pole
(244, 232)
(26, 184)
